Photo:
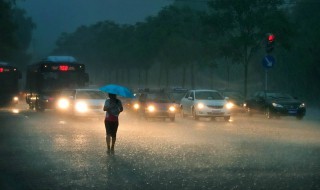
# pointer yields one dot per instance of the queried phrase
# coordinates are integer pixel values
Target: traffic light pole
(266, 80)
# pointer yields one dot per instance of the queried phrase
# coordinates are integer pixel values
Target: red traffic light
(271, 37)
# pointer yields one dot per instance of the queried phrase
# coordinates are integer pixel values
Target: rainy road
(49, 151)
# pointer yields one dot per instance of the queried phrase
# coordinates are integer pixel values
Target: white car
(82, 102)
(205, 103)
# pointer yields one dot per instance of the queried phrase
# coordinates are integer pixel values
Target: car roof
(204, 90)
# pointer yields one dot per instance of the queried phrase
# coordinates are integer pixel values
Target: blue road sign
(268, 61)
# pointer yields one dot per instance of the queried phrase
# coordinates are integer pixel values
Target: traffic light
(270, 42)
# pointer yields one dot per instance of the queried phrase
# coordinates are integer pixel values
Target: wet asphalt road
(51, 151)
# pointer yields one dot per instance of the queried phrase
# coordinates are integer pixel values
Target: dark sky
(53, 17)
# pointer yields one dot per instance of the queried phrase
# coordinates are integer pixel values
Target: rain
(218, 94)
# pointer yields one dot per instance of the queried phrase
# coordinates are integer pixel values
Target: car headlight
(229, 105)
(15, 99)
(200, 105)
(136, 106)
(63, 103)
(81, 107)
(277, 105)
(302, 105)
(151, 108)
(172, 109)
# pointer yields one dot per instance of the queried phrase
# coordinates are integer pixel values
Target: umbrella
(118, 90)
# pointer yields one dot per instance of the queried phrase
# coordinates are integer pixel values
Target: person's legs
(114, 135)
(113, 143)
(108, 139)
(108, 136)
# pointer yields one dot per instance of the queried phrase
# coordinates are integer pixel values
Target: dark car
(234, 97)
(176, 94)
(154, 104)
(275, 104)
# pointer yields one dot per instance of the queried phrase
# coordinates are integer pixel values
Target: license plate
(216, 111)
(292, 111)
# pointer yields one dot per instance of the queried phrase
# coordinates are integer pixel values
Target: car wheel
(39, 107)
(227, 118)
(183, 115)
(268, 113)
(194, 114)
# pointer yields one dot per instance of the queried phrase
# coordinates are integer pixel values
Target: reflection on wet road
(51, 151)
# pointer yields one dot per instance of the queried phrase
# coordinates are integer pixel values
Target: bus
(47, 78)
(9, 84)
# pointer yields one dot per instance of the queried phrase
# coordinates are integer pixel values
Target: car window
(233, 95)
(277, 95)
(187, 94)
(208, 95)
(68, 93)
(91, 95)
(159, 97)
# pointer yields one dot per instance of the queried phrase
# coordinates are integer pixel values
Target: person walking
(113, 108)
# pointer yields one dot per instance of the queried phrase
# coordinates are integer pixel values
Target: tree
(7, 39)
(244, 24)
(15, 34)
(304, 56)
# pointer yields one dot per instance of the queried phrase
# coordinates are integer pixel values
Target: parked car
(154, 104)
(236, 98)
(275, 104)
(205, 103)
(82, 102)
(176, 94)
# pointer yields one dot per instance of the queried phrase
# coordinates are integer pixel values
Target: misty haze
(160, 94)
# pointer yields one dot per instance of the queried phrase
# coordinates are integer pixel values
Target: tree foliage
(15, 33)
(226, 32)
(243, 26)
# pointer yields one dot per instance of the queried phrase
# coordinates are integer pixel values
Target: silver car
(82, 102)
(205, 103)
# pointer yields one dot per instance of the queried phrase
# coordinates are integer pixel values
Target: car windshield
(208, 95)
(91, 95)
(233, 95)
(177, 96)
(277, 95)
(158, 98)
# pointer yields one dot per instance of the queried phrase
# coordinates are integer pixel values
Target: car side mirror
(226, 98)
(190, 98)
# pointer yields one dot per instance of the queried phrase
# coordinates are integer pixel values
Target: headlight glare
(136, 106)
(16, 98)
(229, 105)
(200, 106)
(81, 107)
(302, 105)
(151, 108)
(172, 108)
(276, 105)
(63, 103)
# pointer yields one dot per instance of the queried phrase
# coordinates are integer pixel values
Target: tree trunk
(167, 77)
(160, 75)
(183, 77)
(246, 63)
(147, 77)
(192, 76)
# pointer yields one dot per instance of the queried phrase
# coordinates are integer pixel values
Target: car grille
(215, 107)
(291, 106)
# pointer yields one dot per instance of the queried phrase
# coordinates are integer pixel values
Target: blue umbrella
(118, 90)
